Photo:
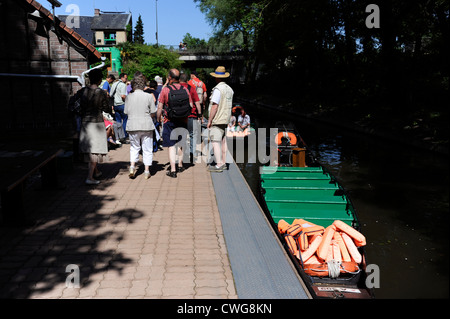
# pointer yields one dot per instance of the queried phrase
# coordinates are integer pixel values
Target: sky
(175, 17)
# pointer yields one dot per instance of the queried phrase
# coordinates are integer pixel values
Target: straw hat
(220, 73)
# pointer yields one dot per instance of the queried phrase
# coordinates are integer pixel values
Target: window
(110, 38)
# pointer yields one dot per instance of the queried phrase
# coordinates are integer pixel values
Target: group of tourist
(241, 123)
(143, 112)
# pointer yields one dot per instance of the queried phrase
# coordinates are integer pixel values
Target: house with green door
(105, 30)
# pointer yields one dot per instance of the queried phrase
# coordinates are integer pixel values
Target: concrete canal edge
(260, 265)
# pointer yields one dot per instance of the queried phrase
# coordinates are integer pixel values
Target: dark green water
(401, 196)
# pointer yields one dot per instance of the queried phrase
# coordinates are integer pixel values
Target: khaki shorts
(217, 132)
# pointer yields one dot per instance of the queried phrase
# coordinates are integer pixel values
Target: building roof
(111, 21)
(85, 27)
(74, 39)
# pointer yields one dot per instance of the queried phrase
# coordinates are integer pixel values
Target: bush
(148, 59)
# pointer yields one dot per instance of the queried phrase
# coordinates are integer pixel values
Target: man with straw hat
(220, 107)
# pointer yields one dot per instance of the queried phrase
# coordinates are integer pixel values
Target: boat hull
(314, 195)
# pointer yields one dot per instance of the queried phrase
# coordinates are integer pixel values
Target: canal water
(401, 195)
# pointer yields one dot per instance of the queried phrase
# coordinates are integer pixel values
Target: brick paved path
(156, 238)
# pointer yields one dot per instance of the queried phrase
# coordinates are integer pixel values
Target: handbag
(74, 104)
(111, 97)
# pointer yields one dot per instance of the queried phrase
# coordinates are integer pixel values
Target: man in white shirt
(243, 121)
(220, 106)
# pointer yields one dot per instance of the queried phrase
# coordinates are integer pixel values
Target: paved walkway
(156, 238)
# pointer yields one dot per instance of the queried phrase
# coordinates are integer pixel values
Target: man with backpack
(200, 87)
(175, 103)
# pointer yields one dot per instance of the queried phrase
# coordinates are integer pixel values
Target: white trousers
(144, 140)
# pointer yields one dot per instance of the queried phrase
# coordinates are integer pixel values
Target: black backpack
(178, 105)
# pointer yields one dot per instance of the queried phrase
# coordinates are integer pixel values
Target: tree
(148, 59)
(237, 16)
(194, 43)
(139, 31)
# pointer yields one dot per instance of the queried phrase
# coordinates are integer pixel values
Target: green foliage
(194, 43)
(129, 33)
(148, 59)
(335, 60)
(230, 17)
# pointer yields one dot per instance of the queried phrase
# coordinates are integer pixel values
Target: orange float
(291, 136)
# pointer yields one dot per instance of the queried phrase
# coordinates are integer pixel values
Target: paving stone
(130, 238)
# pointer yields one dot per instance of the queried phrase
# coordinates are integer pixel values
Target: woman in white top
(232, 123)
(140, 108)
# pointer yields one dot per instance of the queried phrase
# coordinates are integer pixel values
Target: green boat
(301, 188)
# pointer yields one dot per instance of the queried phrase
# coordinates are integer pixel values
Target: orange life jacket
(322, 251)
(308, 253)
(307, 230)
(344, 252)
(358, 238)
(292, 245)
(336, 251)
(352, 249)
(283, 226)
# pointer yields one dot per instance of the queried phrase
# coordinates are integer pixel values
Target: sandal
(171, 174)
(98, 174)
(180, 169)
(132, 172)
